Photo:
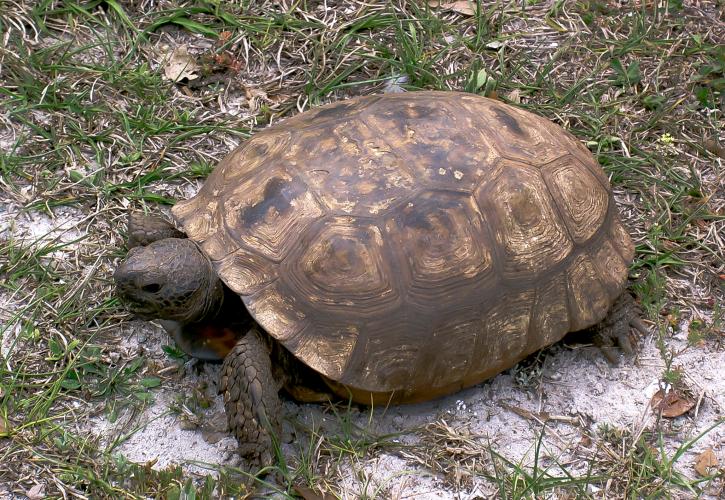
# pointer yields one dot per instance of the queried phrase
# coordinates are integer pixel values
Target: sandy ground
(576, 391)
(579, 393)
(439, 446)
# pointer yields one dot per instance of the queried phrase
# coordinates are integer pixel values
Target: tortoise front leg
(144, 229)
(613, 331)
(251, 398)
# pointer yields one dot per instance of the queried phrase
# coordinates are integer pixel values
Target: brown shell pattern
(412, 244)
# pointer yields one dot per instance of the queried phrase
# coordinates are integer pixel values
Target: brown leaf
(181, 65)
(310, 494)
(585, 441)
(671, 404)
(714, 147)
(514, 96)
(705, 461)
(36, 492)
(465, 7)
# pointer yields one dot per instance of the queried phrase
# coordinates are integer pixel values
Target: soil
(575, 391)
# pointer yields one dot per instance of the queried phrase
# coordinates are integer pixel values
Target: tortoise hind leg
(250, 398)
(613, 330)
(144, 229)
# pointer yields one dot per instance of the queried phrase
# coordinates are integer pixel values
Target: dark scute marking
(524, 210)
(341, 255)
(334, 111)
(424, 212)
(278, 194)
(415, 219)
(509, 121)
(260, 149)
(436, 155)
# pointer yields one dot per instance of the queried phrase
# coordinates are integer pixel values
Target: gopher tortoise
(386, 249)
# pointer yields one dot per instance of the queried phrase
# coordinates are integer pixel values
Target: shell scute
(583, 202)
(351, 169)
(443, 246)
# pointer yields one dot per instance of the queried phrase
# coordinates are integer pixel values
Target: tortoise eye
(151, 288)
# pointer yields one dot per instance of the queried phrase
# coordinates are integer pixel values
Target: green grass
(91, 128)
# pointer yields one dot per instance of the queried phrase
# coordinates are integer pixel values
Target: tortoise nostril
(151, 288)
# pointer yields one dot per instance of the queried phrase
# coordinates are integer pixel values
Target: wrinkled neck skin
(209, 303)
(214, 335)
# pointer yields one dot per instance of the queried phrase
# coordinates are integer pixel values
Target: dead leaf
(37, 492)
(310, 494)
(671, 404)
(585, 441)
(714, 147)
(212, 436)
(465, 7)
(705, 461)
(514, 96)
(181, 65)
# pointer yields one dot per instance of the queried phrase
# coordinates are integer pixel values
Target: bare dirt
(577, 393)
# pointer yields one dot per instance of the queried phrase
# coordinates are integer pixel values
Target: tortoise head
(169, 279)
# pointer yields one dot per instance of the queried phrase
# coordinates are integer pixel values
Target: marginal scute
(329, 114)
(387, 362)
(504, 333)
(516, 134)
(525, 222)
(245, 272)
(575, 148)
(197, 217)
(277, 311)
(328, 353)
(256, 152)
(611, 268)
(450, 348)
(551, 312)
(588, 299)
(621, 240)
(582, 200)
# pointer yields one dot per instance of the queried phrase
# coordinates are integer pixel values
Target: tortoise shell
(407, 245)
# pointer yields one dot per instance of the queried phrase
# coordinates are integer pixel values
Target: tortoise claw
(624, 343)
(638, 325)
(611, 353)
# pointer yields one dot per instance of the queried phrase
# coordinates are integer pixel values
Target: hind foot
(612, 334)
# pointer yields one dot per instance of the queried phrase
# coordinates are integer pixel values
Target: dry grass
(90, 128)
